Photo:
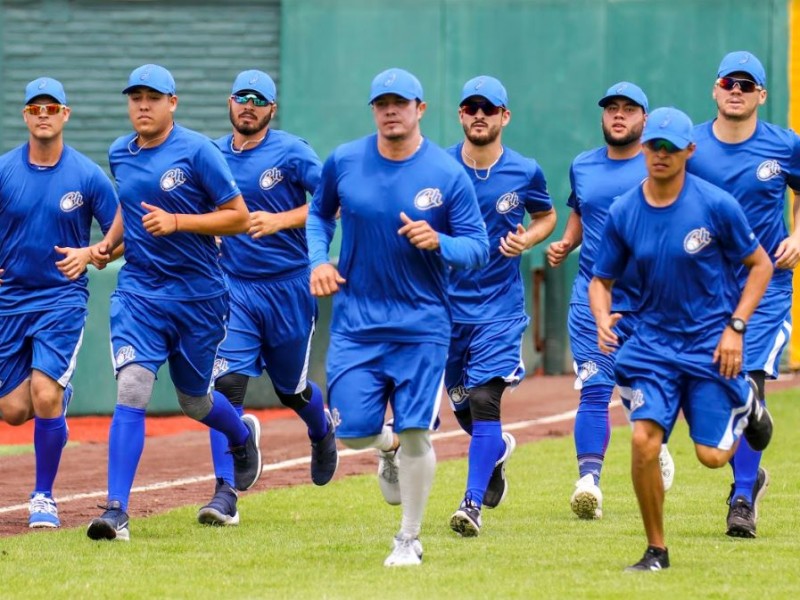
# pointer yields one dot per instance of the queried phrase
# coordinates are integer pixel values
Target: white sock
(416, 479)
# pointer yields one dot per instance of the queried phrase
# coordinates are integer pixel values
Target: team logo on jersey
(507, 202)
(696, 240)
(172, 179)
(768, 169)
(270, 178)
(428, 198)
(457, 394)
(221, 366)
(70, 201)
(587, 370)
(124, 355)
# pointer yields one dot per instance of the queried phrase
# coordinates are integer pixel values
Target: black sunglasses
(245, 98)
(747, 86)
(659, 144)
(472, 107)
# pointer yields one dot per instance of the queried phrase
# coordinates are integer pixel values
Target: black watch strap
(738, 325)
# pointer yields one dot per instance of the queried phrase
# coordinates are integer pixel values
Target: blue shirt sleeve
(306, 166)
(573, 201)
(215, 174)
(612, 257)
(321, 222)
(537, 199)
(104, 200)
(468, 246)
(793, 177)
(737, 240)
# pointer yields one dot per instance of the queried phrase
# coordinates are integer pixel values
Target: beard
(484, 138)
(250, 129)
(739, 116)
(634, 134)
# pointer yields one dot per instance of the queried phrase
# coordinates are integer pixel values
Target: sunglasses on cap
(747, 86)
(245, 98)
(659, 144)
(472, 107)
(43, 109)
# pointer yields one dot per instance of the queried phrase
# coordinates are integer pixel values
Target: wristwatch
(738, 325)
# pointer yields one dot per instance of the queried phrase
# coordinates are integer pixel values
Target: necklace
(475, 164)
(148, 143)
(244, 145)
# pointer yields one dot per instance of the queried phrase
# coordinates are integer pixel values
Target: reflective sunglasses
(747, 86)
(661, 144)
(257, 100)
(489, 109)
(43, 109)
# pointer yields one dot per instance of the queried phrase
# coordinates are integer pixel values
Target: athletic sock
(125, 445)
(416, 479)
(592, 430)
(224, 418)
(745, 463)
(48, 442)
(221, 457)
(313, 414)
(485, 447)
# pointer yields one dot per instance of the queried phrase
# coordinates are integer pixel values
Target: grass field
(307, 542)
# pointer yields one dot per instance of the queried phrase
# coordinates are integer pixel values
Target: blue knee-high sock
(592, 430)
(48, 441)
(313, 414)
(223, 461)
(745, 463)
(125, 445)
(485, 448)
(224, 418)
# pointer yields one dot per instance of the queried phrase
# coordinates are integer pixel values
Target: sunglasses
(489, 109)
(43, 109)
(747, 86)
(257, 100)
(660, 144)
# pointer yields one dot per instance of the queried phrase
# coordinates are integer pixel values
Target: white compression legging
(135, 388)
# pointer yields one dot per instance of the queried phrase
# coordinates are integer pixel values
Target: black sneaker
(222, 508)
(324, 455)
(247, 458)
(498, 486)
(112, 524)
(466, 521)
(742, 515)
(758, 432)
(654, 559)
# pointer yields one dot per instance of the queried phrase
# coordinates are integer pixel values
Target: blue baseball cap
(154, 77)
(485, 87)
(669, 123)
(45, 86)
(255, 81)
(625, 89)
(743, 62)
(395, 81)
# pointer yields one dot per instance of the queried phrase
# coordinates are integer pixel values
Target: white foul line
(293, 462)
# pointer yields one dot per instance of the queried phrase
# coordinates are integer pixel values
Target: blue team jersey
(596, 181)
(756, 172)
(685, 255)
(187, 174)
(516, 185)
(41, 208)
(274, 177)
(394, 291)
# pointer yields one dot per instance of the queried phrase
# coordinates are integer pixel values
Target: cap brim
(491, 98)
(402, 94)
(606, 99)
(679, 141)
(130, 88)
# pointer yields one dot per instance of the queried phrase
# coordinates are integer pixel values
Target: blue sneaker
(247, 458)
(111, 525)
(43, 511)
(68, 393)
(222, 508)
(324, 455)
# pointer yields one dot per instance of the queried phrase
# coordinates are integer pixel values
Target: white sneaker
(389, 475)
(407, 552)
(667, 467)
(587, 499)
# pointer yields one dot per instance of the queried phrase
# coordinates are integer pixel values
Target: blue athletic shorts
(591, 366)
(364, 377)
(270, 328)
(768, 332)
(481, 352)
(186, 333)
(662, 374)
(47, 341)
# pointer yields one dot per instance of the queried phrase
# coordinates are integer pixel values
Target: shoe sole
(511, 444)
(211, 516)
(256, 433)
(463, 525)
(585, 505)
(43, 525)
(101, 530)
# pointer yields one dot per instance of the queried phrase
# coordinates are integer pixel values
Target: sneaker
(742, 515)
(466, 521)
(222, 508)
(389, 473)
(43, 511)
(247, 458)
(654, 559)
(407, 552)
(758, 432)
(587, 499)
(112, 524)
(498, 486)
(667, 466)
(67, 398)
(324, 455)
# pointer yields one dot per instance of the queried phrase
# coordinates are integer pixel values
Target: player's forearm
(758, 279)
(573, 232)
(113, 237)
(295, 218)
(229, 219)
(319, 233)
(600, 297)
(541, 225)
(465, 252)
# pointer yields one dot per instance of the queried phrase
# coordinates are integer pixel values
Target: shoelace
(42, 504)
